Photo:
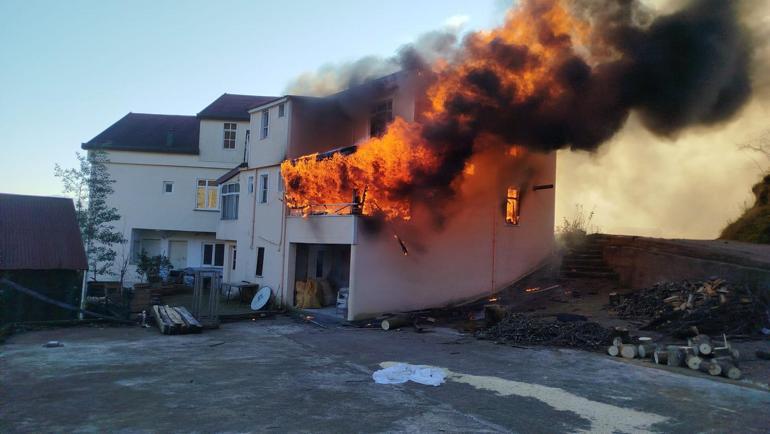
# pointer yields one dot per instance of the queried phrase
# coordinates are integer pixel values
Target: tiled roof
(149, 133)
(233, 107)
(39, 233)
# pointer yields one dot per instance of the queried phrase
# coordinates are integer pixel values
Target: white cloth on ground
(403, 372)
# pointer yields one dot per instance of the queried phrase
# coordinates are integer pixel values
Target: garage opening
(322, 278)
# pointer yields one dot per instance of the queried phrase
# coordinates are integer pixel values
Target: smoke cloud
(553, 78)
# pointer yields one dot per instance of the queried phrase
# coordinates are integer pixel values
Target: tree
(90, 185)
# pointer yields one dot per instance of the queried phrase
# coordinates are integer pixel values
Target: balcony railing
(352, 208)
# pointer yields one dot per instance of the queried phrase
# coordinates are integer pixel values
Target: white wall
(272, 149)
(475, 253)
(211, 141)
(258, 225)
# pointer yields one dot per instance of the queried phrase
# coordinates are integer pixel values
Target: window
(281, 110)
(250, 184)
(263, 188)
(214, 254)
(235, 255)
(381, 116)
(265, 123)
(230, 194)
(260, 260)
(229, 137)
(206, 194)
(168, 187)
(512, 206)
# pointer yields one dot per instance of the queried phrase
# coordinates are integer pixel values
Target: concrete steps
(587, 262)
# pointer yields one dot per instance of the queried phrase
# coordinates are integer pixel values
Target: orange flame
(383, 167)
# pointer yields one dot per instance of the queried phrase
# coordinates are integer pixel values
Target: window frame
(213, 254)
(264, 124)
(382, 108)
(229, 191)
(259, 269)
(169, 183)
(210, 184)
(250, 184)
(230, 127)
(281, 109)
(513, 206)
(264, 180)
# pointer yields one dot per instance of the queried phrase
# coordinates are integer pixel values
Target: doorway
(177, 254)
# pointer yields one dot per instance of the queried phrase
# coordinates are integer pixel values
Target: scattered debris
(686, 308)
(520, 329)
(402, 372)
(53, 344)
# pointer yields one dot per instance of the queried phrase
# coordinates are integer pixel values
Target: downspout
(83, 294)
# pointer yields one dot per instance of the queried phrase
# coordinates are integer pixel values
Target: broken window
(260, 260)
(229, 136)
(230, 194)
(512, 206)
(206, 194)
(381, 116)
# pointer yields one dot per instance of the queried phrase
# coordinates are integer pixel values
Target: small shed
(40, 249)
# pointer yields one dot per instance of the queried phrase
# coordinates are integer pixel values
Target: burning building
(436, 184)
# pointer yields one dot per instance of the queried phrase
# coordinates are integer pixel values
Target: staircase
(586, 262)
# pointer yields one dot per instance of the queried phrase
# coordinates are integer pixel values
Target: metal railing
(326, 209)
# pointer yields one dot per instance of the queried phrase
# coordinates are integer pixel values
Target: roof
(233, 107)
(39, 233)
(231, 173)
(144, 132)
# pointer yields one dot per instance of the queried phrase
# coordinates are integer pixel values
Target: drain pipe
(83, 294)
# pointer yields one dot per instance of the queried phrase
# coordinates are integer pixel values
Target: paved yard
(279, 375)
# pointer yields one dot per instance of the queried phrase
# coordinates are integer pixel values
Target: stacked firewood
(713, 306)
(700, 354)
(175, 320)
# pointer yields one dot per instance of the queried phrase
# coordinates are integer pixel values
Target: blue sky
(69, 69)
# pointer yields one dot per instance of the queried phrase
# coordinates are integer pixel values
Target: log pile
(520, 329)
(713, 307)
(175, 320)
(700, 354)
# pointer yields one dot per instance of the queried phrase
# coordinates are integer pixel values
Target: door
(177, 254)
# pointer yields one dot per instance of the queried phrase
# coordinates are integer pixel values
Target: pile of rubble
(686, 308)
(520, 329)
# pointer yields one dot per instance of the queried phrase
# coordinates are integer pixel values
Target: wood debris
(520, 329)
(712, 306)
(175, 320)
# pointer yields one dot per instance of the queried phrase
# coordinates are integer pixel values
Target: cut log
(727, 368)
(163, 324)
(617, 341)
(622, 333)
(725, 352)
(676, 356)
(395, 322)
(628, 351)
(693, 362)
(702, 344)
(714, 368)
(705, 366)
(613, 350)
(660, 356)
(645, 351)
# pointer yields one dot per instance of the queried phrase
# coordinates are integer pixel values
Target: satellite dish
(261, 298)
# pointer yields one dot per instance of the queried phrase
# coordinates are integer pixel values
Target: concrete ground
(283, 376)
